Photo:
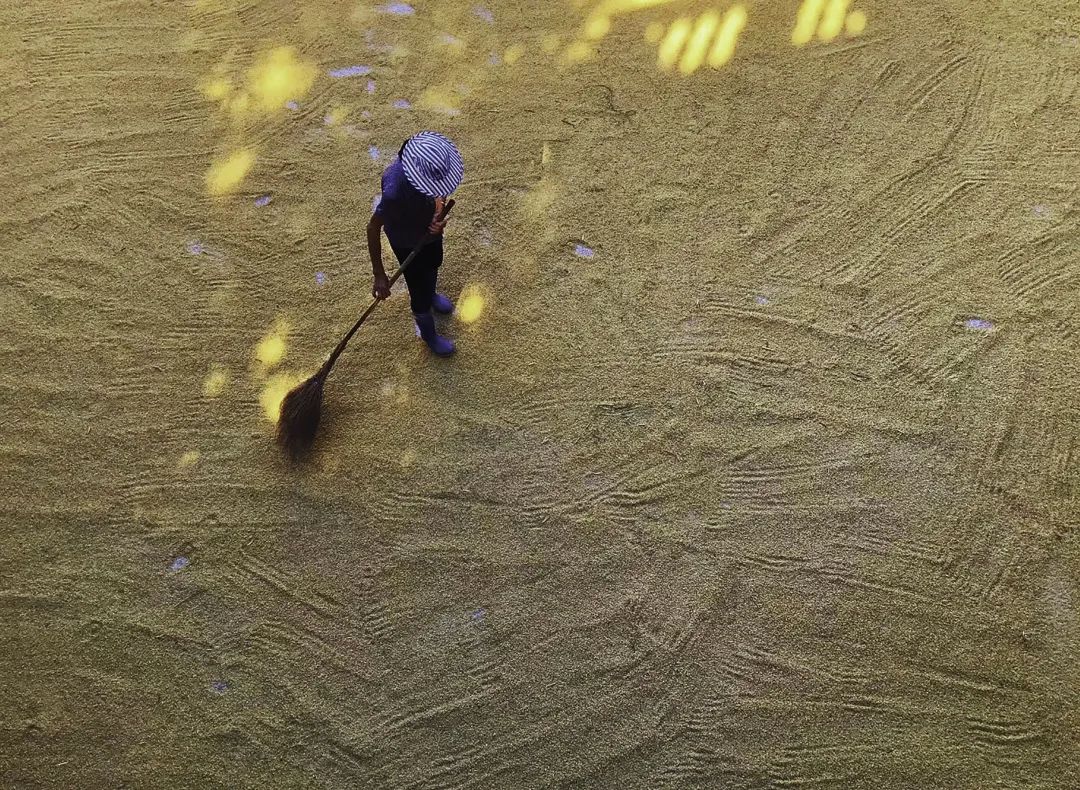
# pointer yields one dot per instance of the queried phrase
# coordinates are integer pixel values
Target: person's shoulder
(393, 180)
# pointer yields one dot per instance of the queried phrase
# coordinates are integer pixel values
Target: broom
(302, 406)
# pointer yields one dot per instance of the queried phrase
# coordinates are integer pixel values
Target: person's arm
(380, 289)
(436, 227)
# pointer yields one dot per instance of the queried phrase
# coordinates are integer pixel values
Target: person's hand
(436, 227)
(380, 289)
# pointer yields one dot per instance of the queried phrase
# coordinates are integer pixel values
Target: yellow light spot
(336, 116)
(274, 392)
(190, 458)
(216, 89)
(440, 98)
(614, 7)
(577, 52)
(597, 27)
(806, 21)
(513, 53)
(856, 23)
(724, 47)
(833, 21)
(550, 43)
(215, 381)
(694, 55)
(278, 77)
(407, 458)
(224, 176)
(545, 154)
(271, 349)
(672, 43)
(470, 304)
(653, 32)
(240, 103)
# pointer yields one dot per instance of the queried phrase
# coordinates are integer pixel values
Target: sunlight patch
(470, 304)
(442, 99)
(856, 23)
(274, 392)
(224, 176)
(217, 89)
(724, 46)
(279, 77)
(215, 381)
(832, 22)
(698, 43)
(271, 349)
(513, 54)
(673, 42)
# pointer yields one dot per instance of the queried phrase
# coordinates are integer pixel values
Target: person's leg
(440, 302)
(421, 276)
(432, 253)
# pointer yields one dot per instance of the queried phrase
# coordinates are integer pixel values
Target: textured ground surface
(778, 488)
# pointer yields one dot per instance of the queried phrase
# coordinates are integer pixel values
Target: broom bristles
(299, 417)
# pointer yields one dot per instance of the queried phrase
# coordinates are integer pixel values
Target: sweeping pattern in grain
(756, 466)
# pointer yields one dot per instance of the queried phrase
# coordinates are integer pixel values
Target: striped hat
(432, 164)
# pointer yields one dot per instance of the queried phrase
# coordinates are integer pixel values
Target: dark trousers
(422, 274)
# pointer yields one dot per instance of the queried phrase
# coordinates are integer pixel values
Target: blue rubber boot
(425, 323)
(442, 304)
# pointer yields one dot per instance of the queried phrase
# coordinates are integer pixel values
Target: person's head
(432, 164)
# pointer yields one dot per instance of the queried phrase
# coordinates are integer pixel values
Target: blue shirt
(405, 212)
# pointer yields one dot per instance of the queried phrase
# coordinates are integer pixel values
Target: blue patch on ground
(263, 201)
(979, 325)
(582, 251)
(398, 9)
(350, 71)
(483, 13)
(179, 564)
(402, 104)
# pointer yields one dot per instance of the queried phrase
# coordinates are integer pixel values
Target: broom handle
(348, 336)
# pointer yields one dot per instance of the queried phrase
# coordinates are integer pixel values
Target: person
(416, 184)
